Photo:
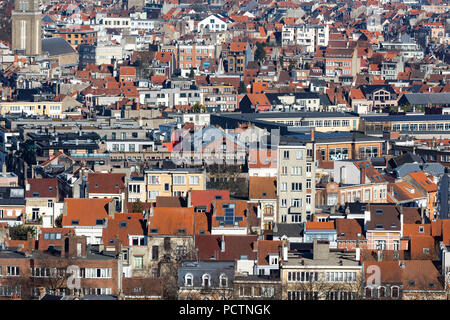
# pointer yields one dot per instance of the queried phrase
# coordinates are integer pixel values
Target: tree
(242, 88)
(260, 53)
(138, 206)
(198, 107)
(58, 221)
(191, 73)
(20, 232)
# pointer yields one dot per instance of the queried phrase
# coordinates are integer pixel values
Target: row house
(263, 191)
(237, 56)
(309, 36)
(174, 182)
(88, 217)
(42, 201)
(12, 205)
(170, 97)
(25, 273)
(320, 274)
(219, 98)
(379, 97)
(295, 182)
(403, 279)
(425, 185)
(193, 55)
(341, 62)
(383, 224)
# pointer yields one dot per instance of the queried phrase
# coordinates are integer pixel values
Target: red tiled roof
(319, 225)
(106, 183)
(43, 188)
(207, 197)
(86, 211)
(209, 247)
(123, 225)
(266, 247)
(168, 221)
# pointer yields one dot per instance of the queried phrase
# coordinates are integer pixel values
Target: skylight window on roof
(50, 188)
(379, 211)
(379, 226)
(123, 224)
(75, 222)
(35, 194)
(111, 241)
(153, 230)
(99, 222)
(218, 197)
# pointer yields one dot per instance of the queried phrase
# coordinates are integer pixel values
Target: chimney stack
(29, 245)
(321, 249)
(285, 250)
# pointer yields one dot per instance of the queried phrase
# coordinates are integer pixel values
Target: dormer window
(206, 280)
(99, 222)
(123, 224)
(223, 281)
(188, 280)
(421, 229)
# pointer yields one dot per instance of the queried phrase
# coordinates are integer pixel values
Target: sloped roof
(262, 187)
(56, 46)
(86, 211)
(209, 246)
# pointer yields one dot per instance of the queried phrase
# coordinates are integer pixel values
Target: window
(12, 271)
(296, 186)
(178, 180)
(381, 292)
(395, 292)
(138, 262)
(153, 194)
(155, 252)
(206, 280)
(308, 167)
(50, 203)
(300, 155)
(223, 281)
(153, 180)
(188, 280)
(297, 171)
(195, 180)
(368, 292)
(286, 154)
(283, 186)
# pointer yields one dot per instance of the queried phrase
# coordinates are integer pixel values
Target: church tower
(26, 27)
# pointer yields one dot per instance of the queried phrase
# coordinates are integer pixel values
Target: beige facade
(48, 108)
(295, 183)
(26, 27)
(176, 182)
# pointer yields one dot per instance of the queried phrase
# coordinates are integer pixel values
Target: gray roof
(56, 46)
(406, 168)
(428, 98)
(288, 229)
(214, 268)
(436, 169)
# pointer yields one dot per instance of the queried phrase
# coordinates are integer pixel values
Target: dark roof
(57, 46)
(384, 217)
(368, 89)
(287, 229)
(395, 118)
